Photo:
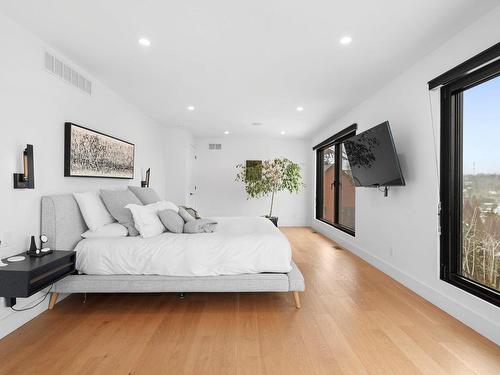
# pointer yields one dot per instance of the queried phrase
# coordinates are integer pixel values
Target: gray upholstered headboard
(62, 221)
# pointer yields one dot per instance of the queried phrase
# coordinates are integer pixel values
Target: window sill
(472, 287)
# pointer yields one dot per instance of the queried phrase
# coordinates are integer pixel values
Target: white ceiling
(240, 62)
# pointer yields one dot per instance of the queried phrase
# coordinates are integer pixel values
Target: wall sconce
(145, 183)
(26, 180)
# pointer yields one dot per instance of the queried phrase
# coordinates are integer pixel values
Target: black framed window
(470, 177)
(335, 191)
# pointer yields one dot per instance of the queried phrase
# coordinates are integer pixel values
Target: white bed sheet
(239, 245)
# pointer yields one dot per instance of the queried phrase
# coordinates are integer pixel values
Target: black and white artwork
(88, 153)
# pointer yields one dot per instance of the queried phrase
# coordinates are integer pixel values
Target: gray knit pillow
(200, 226)
(115, 201)
(171, 220)
(192, 212)
(145, 195)
(185, 215)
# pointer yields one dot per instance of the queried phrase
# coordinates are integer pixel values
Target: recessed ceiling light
(345, 40)
(190, 108)
(226, 132)
(282, 132)
(300, 109)
(144, 42)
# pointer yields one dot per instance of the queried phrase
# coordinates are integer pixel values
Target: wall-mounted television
(373, 158)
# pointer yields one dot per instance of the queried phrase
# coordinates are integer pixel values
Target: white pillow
(93, 210)
(146, 220)
(163, 205)
(114, 230)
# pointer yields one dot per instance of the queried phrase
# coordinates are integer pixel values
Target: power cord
(436, 160)
(29, 308)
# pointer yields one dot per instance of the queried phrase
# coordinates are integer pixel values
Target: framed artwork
(88, 153)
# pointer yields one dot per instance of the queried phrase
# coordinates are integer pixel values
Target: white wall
(406, 221)
(218, 194)
(179, 153)
(34, 106)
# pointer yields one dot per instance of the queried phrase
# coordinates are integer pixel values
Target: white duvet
(239, 245)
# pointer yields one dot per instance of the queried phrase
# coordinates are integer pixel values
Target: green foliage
(270, 177)
(253, 170)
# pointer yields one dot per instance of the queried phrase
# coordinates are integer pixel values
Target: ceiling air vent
(215, 146)
(67, 73)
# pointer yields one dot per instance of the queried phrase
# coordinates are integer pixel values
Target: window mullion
(338, 183)
(458, 185)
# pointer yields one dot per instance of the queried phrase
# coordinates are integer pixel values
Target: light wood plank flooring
(354, 320)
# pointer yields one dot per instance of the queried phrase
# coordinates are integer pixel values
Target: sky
(482, 128)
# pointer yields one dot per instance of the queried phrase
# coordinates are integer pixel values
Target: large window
(470, 177)
(335, 193)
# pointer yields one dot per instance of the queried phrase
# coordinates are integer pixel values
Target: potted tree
(268, 177)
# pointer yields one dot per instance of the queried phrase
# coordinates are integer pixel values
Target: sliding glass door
(347, 197)
(328, 157)
(335, 187)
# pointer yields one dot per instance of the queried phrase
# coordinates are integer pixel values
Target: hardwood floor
(354, 320)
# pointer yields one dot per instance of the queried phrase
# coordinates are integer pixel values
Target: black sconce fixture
(26, 180)
(145, 183)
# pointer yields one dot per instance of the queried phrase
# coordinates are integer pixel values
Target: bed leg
(53, 300)
(296, 297)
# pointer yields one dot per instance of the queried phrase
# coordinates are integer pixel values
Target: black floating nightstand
(25, 278)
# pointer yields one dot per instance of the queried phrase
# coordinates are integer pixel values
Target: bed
(63, 224)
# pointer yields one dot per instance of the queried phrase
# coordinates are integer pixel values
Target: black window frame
(452, 172)
(335, 140)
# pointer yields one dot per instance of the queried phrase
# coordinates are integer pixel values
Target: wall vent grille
(65, 72)
(215, 146)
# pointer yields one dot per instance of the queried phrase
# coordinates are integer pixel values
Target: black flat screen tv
(373, 158)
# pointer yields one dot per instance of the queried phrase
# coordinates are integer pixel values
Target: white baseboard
(481, 324)
(11, 320)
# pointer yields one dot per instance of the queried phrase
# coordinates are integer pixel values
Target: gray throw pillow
(115, 201)
(192, 212)
(171, 220)
(200, 226)
(145, 195)
(185, 215)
